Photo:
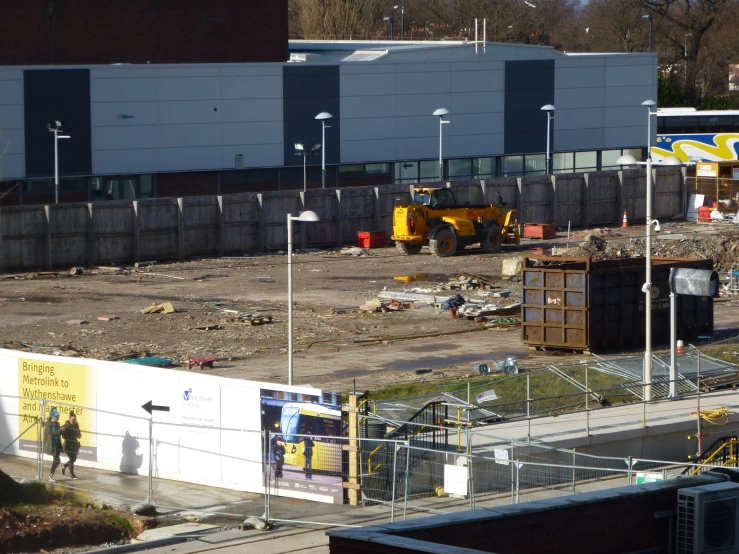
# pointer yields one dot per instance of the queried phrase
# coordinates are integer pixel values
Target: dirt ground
(331, 333)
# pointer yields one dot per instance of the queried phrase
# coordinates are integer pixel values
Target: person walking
(53, 441)
(308, 445)
(71, 434)
(279, 454)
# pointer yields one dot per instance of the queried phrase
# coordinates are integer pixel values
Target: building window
(564, 162)
(406, 172)
(429, 170)
(535, 164)
(347, 170)
(483, 168)
(608, 159)
(638, 153)
(511, 166)
(460, 169)
(377, 169)
(127, 187)
(586, 161)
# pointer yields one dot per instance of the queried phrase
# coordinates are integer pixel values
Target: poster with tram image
(304, 451)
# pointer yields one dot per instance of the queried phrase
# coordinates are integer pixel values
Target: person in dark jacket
(308, 445)
(71, 434)
(53, 441)
(279, 455)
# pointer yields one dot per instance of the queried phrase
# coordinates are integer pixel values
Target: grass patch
(13, 493)
(120, 522)
(723, 352)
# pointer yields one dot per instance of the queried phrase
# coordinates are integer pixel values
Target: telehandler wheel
(491, 240)
(407, 248)
(443, 243)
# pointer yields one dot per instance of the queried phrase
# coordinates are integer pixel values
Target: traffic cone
(626, 221)
(680, 349)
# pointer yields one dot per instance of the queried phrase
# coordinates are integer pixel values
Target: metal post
(441, 162)
(290, 297)
(650, 34)
(395, 478)
(587, 403)
(630, 472)
(574, 463)
(518, 480)
(528, 403)
(323, 154)
(549, 120)
(150, 484)
(470, 481)
(673, 340)
(648, 292)
(56, 166)
(40, 452)
(268, 450)
(698, 399)
(305, 172)
(405, 480)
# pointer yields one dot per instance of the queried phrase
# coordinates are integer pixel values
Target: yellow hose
(719, 416)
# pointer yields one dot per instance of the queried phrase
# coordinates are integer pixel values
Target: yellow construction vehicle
(435, 219)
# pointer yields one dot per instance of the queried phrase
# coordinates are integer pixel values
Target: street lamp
(685, 58)
(301, 151)
(390, 19)
(647, 287)
(649, 17)
(306, 217)
(56, 128)
(402, 19)
(322, 117)
(649, 104)
(550, 111)
(441, 112)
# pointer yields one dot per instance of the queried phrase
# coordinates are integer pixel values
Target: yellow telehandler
(435, 219)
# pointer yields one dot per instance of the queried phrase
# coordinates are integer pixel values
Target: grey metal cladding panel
(421, 104)
(630, 116)
(367, 106)
(575, 98)
(308, 91)
(630, 96)
(528, 86)
(571, 77)
(477, 102)
(586, 118)
(368, 85)
(423, 83)
(477, 81)
(362, 151)
(630, 75)
(622, 137)
(578, 139)
(61, 94)
(476, 145)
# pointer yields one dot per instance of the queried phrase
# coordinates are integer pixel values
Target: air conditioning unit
(708, 519)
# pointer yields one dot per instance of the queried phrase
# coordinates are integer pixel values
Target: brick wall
(139, 31)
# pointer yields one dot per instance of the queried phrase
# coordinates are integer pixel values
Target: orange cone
(626, 220)
(680, 348)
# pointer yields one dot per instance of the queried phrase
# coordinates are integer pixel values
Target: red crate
(371, 239)
(539, 230)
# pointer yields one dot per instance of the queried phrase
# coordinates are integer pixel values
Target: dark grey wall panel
(308, 91)
(62, 94)
(529, 85)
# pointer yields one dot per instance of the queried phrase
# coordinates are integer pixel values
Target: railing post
(268, 449)
(150, 484)
(42, 430)
(513, 480)
(470, 478)
(395, 478)
(587, 403)
(574, 463)
(518, 481)
(528, 403)
(405, 479)
(630, 462)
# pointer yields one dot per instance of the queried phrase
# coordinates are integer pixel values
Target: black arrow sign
(149, 407)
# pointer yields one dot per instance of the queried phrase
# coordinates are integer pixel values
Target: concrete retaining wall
(73, 234)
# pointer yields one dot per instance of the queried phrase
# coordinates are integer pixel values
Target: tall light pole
(647, 287)
(685, 58)
(441, 112)
(322, 117)
(402, 19)
(390, 19)
(550, 111)
(301, 151)
(307, 217)
(649, 17)
(56, 128)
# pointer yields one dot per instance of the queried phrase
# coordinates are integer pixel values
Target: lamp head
(649, 104)
(626, 159)
(324, 115)
(548, 108)
(316, 148)
(299, 147)
(672, 160)
(441, 112)
(55, 125)
(648, 16)
(307, 216)
(387, 18)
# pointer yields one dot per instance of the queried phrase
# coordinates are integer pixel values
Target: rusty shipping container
(599, 306)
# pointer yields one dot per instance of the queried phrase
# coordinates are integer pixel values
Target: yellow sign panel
(67, 387)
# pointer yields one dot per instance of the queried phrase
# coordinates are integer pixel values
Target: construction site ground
(335, 342)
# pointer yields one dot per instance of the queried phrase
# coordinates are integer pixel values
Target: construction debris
(202, 363)
(466, 281)
(150, 360)
(108, 317)
(375, 306)
(356, 251)
(76, 271)
(77, 322)
(166, 308)
(206, 328)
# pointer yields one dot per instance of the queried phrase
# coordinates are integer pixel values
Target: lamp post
(550, 111)
(56, 128)
(322, 117)
(647, 287)
(685, 58)
(306, 217)
(402, 19)
(441, 112)
(649, 17)
(649, 104)
(301, 151)
(390, 19)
